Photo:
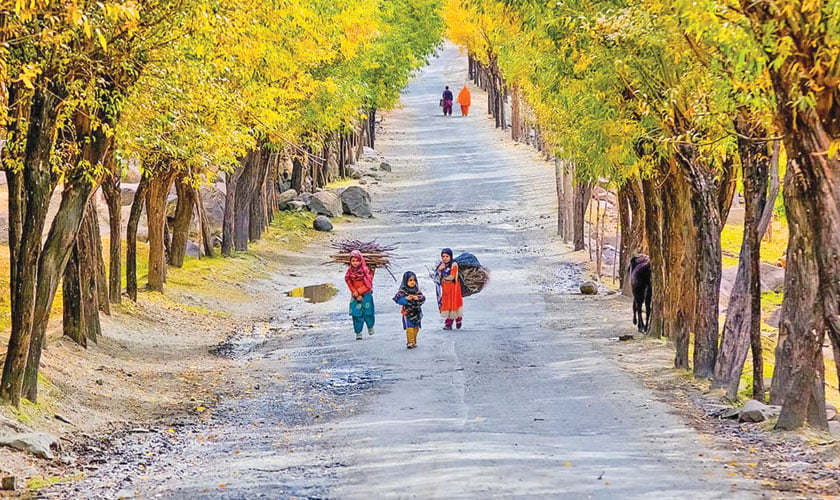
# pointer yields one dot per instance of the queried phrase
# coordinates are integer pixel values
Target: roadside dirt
(791, 465)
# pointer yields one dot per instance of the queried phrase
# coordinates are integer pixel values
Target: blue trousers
(360, 321)
(363, 312)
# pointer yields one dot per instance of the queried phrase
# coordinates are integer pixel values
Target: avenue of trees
(674, 103)
(194, 91)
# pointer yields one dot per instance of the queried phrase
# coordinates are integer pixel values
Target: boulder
(725, 411)
(8, 483)
(756, 411)
(285, 197)
(171, 205)
(322, 223)
(296, 205)
(127, 192)
(385, 166)
(305, 198)
(362, 182)
(332, 167)
(286, 167)
(326, 203)
(830, 412)
(193, 250)
(834, 428)
(39, 444)
(588, 288)
(772, 277)
(609, 254)
(369, 153)
(356, 201)
(213, 198)
(353, 172)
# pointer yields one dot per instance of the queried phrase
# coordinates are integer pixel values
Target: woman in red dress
(450, 299)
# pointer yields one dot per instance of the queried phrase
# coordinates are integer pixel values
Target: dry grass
(773, 245)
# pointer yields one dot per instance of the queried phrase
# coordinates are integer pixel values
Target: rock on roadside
(285, 197)
(326, 203)
(127, 192)
(39, 444)
(322, 223)
(588, 288)
(356, 201)
(296, 205)
(353, 172)
(756, 411)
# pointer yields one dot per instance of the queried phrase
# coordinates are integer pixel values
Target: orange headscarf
(464, 96)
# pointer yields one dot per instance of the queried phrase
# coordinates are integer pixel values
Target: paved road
(518, 404)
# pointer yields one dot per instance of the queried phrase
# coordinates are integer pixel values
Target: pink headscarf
(361, 273)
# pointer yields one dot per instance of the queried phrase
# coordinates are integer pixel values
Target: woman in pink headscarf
(359, 278)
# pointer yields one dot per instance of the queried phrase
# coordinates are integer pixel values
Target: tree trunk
(582, 195)
(246, 187)
(182, 222)
(516, 122)
(372, 127)
(569, 198)
(204, 225)
(678, 241)
(35, 189)
(705, 205)
(502, 98)
(99, 261)
(256, 216)
(632, 225)
(653, 229)
(232, 179)
(156, 195)
(559, 168)
(111, 190)
(599, 238)
(75, 201)
(81, 285)
(811, 304)
(742, 328)
(131, 238)
(810, 194)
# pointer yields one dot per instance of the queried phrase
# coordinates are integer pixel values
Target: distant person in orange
(464, 100)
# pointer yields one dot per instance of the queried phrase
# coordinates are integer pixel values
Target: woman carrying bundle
(359, 280)
(450, 299)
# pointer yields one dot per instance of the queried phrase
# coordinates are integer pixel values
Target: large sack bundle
(473, 276)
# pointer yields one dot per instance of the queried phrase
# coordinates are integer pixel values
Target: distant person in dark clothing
(447, 102)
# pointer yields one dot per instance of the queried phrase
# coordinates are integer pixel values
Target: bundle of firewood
(471, 274)
(376, 255)
(473, 279)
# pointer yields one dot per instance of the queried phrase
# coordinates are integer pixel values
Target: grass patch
(773, 245)
(771, 300)
(37, 483)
